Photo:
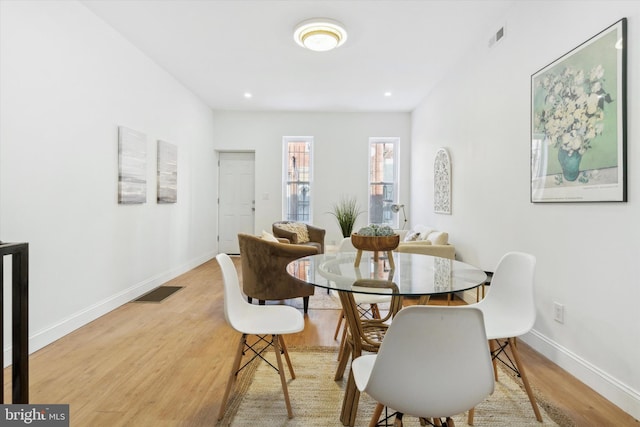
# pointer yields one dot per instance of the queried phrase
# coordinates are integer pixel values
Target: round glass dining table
(412, 275)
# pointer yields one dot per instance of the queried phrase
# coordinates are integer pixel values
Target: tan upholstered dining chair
(300, 234)
(264, 274)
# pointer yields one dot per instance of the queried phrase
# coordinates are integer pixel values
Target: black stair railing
(19, 253)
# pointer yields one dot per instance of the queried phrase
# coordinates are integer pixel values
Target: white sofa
(426, 240)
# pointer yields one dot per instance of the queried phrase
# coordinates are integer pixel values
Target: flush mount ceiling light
(320, 34)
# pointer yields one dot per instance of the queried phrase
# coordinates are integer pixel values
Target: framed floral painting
(578, 123)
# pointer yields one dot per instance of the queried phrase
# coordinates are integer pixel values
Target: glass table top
(414, 274)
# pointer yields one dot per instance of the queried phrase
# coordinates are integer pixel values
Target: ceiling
(220, 49)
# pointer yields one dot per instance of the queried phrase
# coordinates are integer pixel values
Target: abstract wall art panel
(132, 166)
(167, 172)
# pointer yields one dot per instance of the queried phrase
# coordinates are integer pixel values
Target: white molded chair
(258, 320)
(433, 363)
(509, 312)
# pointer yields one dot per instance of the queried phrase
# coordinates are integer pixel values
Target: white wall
(586, 252)
(340, 150)
(67, 82)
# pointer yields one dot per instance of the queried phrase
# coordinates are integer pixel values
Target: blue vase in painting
(570, 164)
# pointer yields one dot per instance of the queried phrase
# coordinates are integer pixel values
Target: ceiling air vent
(499, 35)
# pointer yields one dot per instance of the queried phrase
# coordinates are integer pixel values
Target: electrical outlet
(558, 312)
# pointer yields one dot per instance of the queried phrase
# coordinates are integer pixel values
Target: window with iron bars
(298, 168)
(383, 180)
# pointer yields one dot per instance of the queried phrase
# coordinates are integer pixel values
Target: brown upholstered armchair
(316, 235)
(264, 274)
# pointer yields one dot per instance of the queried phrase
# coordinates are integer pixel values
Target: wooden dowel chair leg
(525, 381)
(472, 412)
(283, 380)
(376, 415)
(283, 346)
(492, 347)
(233, 375)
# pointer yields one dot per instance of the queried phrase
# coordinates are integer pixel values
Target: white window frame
(394, 220)
(286, 140)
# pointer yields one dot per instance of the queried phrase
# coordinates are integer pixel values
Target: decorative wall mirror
(442, 182)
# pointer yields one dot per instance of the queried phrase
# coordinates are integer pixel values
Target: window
(298, 168)
(383, 180)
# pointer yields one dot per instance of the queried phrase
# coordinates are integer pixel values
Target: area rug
(158, 294)
(316, 399)
(320, 300)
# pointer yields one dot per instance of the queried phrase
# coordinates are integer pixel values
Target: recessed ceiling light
(247, 95)
(320, 34)
(387, 94)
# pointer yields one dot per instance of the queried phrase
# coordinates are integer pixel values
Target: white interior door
(236, 203)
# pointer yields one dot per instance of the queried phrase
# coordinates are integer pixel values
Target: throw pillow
(424, 231)
(269, 237)
(439, 238)
(299, 228)
(412, 236)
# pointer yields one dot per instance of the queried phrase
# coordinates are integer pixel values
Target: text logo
(34, 415)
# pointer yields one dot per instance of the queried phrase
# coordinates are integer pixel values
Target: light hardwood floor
(166, 364)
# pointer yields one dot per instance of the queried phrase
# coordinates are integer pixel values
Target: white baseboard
(610, 388)
(56, 331)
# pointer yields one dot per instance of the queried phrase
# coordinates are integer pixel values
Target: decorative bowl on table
(376, 239)
(375, 243)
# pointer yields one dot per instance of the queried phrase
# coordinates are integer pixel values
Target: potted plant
(346, 212)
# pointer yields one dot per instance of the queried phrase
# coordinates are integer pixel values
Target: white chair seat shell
(275, 319)
(433, 362)
(508, 308)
